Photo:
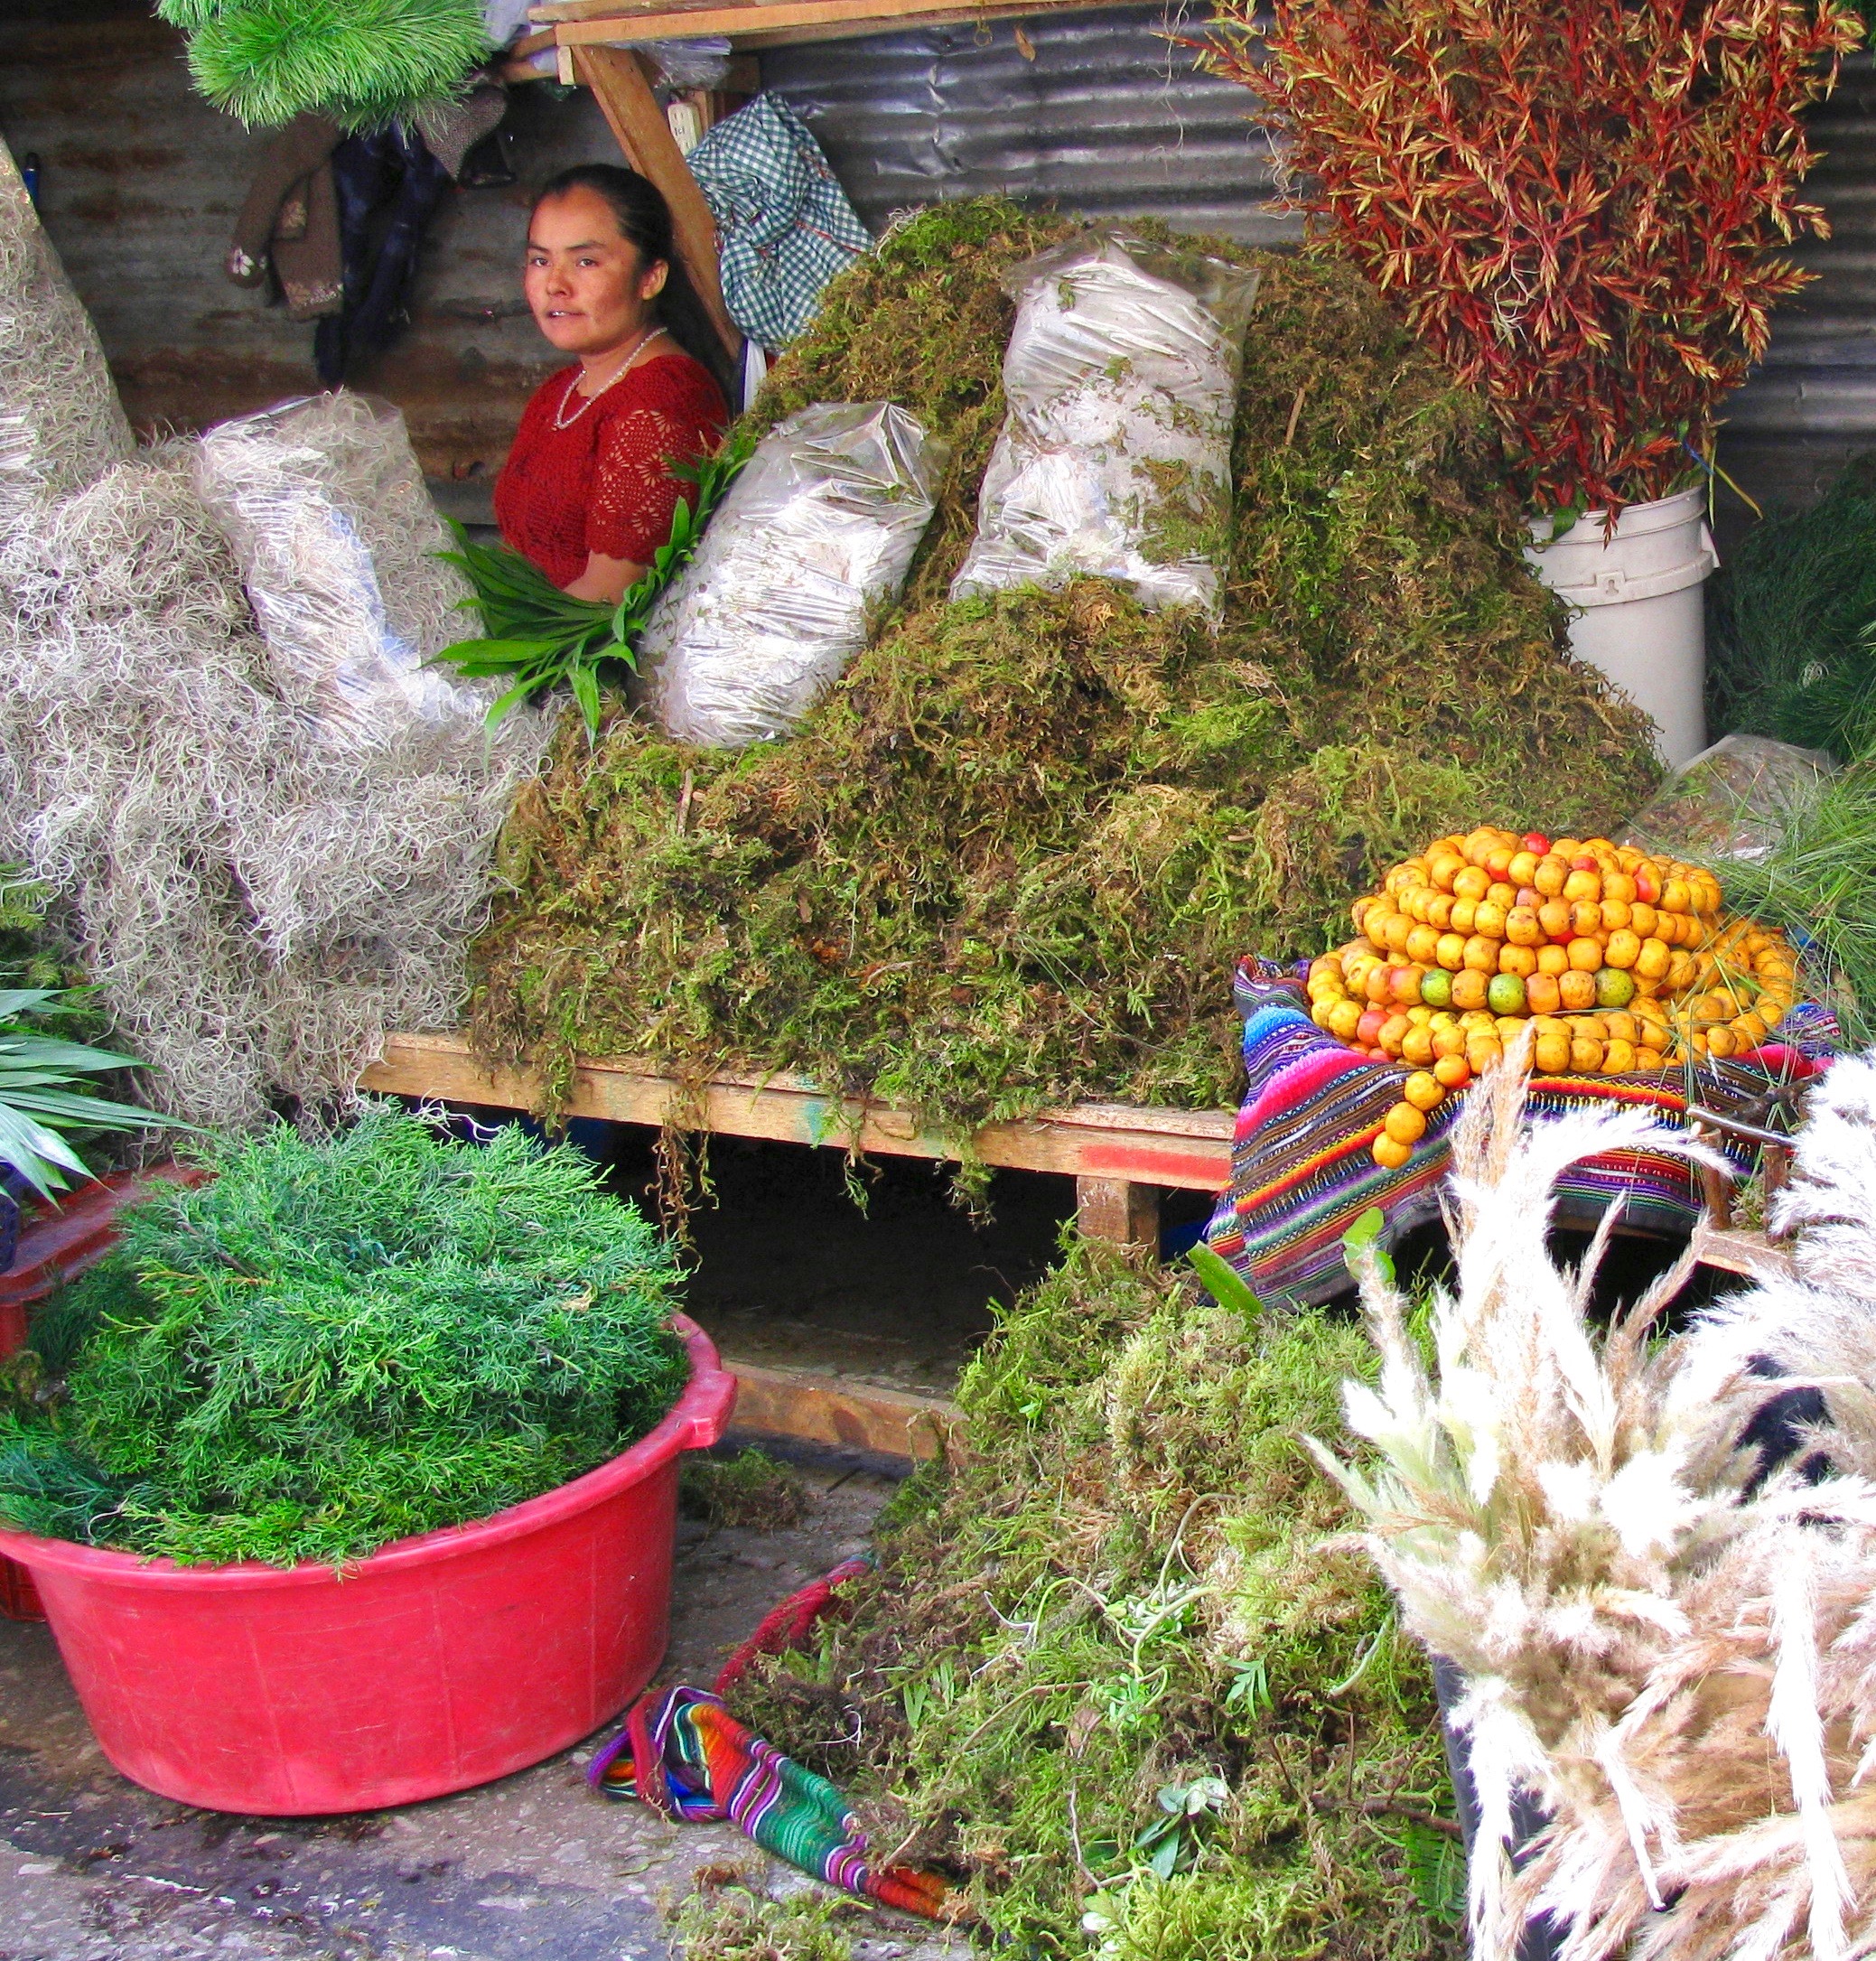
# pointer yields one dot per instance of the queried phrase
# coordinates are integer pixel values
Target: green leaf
(1225, 1285)
(585, 686)
(1363, 1234)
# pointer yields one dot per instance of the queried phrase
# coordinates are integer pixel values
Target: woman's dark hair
(645, 220)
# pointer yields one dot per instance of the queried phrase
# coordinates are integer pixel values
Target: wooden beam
(813, 1409)
(1117, 1209)
(1733, 1250)
(621, 87)
(754, 23)
(1187, 1150)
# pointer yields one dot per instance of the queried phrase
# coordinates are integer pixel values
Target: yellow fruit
(1450, 951)
(1405, 1124)
(1578, 989)
(1582, 885)
(1621, 1027)
(1522, 868)
(1344, 1018)
(1680, 972)
(1490, 919)
(1750, 1028)
(1654, 1037)
(1623, 949)
(1482, 1053)
(1553, 960)
(1417, 1047)
(1463, 914)
(1509, 1027)
(1482, 954)
(1619, 885)
(1448, 1040)
(1551, 875)
(1652, 960)
(1541, 994)
(1771, 1011)
(1468, 988)
(1319, 1014)
(1585, 1055)
(1419, 1015)
(1554, 919)
(1452, 1071)
(1720, 1041)
(1615, 915)
(1618, 1057)
(1442, 869)
(1585, 919)
(1551, 1054)
(1478, 1022)
(1439, 913)
(1395, 930)
(1519, 960)
(1391, 1031)
(1471, 884)
(1585, 955)
(1389, 1155)
(1422, 1091)
(1641, 920)
(1423, 946)
(1522, 928)
(1675, 897)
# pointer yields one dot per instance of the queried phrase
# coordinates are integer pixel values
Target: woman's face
(588, 286)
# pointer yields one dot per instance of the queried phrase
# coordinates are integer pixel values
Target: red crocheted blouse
(601, 484)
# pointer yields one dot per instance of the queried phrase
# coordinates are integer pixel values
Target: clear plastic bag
(1114, 462)
(1729, 801)
(815, 535)
(337, 540)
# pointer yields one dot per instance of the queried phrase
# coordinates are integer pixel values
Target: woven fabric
(686, 1754)
(785, 225)
(604, 483)
(787, 1626)
(1302, 1171)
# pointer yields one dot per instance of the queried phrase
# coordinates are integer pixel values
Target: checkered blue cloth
(785, 224)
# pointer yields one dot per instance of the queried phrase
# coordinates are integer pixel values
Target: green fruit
(1615, 987)
(1506, 995)
(1436, 988)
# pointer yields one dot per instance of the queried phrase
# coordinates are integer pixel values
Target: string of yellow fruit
(1616, 961)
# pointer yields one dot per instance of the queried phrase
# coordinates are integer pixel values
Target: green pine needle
(335, 1345)
(361, 61)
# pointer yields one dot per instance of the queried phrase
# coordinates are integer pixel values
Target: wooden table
(1120, 1157)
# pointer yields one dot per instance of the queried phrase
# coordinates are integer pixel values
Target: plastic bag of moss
(1115, 462)
(814, 538)
(334, 1345)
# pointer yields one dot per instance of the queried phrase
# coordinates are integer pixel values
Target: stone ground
(92, 1868)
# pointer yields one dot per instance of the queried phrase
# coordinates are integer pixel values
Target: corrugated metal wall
(142, 181)
(1102, 114)
(1813, 404)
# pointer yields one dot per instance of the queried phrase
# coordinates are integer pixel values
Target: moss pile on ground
(1012, 857)
(1107, 1667)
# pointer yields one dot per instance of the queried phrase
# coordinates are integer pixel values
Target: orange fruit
(1484, 1052)
(1395, 930)
(1618, 884)
(1620, 1026)
(1652, 960)
(1417, 1047)
(1541, 994)
(1471, 884)
(1389, 1155)
(1422, 1089)
(1522, 926)
(1585, 955)
(1519, 960)
(1554, 919)
(1615, 914)
(1551, 875)
(1618, 1057)
(1404, 985)
(1482, 954)
(1641, 920)
(1450, 951)
(1405, 1124)
(1623, 949)
(1343, 1017)
(1582, 885)
(1720, 1041)
(1461, 914)
(1468, 988)
(1439, 912)
(1551, 1054)
(1585, 919)
(1586, 1055)
(1452, 1071)
(1423, 946)
(1654, 1037)
(1448, 1042)
(1553, 960)
(1578, 989)
(1490, 919)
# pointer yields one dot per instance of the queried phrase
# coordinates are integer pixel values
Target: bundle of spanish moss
(1107, 1672)
(259, 904)
(1654, 1563)
(359, 62)
(1010, 859)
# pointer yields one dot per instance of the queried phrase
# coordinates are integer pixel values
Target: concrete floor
(92, 1868)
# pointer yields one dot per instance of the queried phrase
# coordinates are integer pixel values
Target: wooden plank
(1188, 1150)
(1735, 1250)
(622, 88)
(756, 23)
(814, 1408)
(1117, 1209)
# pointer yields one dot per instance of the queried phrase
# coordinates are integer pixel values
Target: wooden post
(622, 88)
(1118, 1209)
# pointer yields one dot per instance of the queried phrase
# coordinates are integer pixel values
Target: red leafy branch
(1580, 205)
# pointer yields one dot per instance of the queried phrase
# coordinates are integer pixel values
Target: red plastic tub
(437, 1663)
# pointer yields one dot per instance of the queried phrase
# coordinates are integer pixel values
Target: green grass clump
(359, 62)
(1789, 619)
(750, 1489)
(736, 1923)
(1110, 1674)
(1010, 859)
(335, 1345)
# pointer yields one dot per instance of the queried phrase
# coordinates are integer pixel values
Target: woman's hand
(606, 579)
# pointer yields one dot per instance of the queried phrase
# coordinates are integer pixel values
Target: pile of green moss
(1013, 857)
(333, 1345)
(1108, 1672)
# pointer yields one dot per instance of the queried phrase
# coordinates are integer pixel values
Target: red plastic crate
(57, 1246)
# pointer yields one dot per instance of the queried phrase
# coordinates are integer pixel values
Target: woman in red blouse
(587, 491)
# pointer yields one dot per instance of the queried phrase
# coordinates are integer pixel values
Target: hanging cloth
(288, 225)
(784, 222)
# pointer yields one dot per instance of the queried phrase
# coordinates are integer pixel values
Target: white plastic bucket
(1638, 613)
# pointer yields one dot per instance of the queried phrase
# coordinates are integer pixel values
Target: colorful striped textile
(1302, 1171)
(692, 1759)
